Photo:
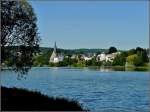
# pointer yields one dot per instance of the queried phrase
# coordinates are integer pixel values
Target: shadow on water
(116, 68)
(137, 69)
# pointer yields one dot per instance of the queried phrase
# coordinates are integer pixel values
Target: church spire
(55, 58)
(55, 47)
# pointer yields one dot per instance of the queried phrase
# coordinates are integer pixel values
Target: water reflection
(110, 68)
(102, 68)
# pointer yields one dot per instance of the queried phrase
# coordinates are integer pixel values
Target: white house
(73, 56)
(107, 57)
(101, 57)
(87, 58)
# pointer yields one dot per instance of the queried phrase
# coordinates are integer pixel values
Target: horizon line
(94, 48)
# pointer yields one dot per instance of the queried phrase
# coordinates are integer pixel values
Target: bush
(119, 60)
(135, 60)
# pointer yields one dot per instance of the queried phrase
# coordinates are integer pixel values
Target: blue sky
(92, 24)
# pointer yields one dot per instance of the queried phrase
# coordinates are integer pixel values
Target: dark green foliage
(148, 51)
(112, 50)
(139, 49)
(138, 61)
(19, 30)
(131, 52)
(42, 59)
(142, 53)
(124, 54)
(108, 63)
(138, 56)
(69, 61)
(22, 100)
(119, 60)
(89, 62)
(135, 60)
(95, 62)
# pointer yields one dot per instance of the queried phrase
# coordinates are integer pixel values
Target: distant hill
(68, 51)
(73, 51)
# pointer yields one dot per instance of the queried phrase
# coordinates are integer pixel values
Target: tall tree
(19, 34)
(112, 50)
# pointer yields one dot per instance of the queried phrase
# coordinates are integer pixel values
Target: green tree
(18, 32)
(119, 60)
(107, 63)
(88, 63)
(135, 60)
(139, 49)
(42, 59)
(131, 52)
(124, 54)
(112, 50)
(143, 54)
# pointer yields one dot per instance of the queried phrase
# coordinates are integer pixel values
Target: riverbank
(101, 68)
(14, 99)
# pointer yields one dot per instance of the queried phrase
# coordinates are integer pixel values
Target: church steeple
(55, 58)
(55, 47)
(54, 53)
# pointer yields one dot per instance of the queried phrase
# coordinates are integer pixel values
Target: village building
(101, 57)
(106, 57)
(73, 56)
(55, 57)
(109, 57)
(88, 56)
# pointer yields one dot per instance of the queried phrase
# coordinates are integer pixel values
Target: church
(55, 57)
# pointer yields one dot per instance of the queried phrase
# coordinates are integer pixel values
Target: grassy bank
(22, 100)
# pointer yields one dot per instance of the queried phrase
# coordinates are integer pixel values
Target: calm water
(109, 91)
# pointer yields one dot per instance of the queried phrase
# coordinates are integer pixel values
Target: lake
(104, 91)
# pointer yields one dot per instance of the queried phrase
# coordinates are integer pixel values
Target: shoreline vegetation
(133, 59)
(101, 68)
(22, 100)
